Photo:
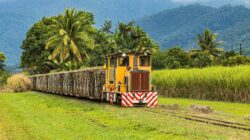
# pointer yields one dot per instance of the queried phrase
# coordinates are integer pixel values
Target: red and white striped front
(150, 99)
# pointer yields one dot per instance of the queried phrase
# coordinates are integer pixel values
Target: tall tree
(73, 36)
(207, 41)
(107, 26)
(133, 38)
(177, 58)
(2, 59)
(104, 44)
(34, 58)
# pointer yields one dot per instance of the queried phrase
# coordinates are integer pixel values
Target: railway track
(207, 120)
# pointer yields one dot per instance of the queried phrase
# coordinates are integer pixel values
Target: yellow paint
(122, 71)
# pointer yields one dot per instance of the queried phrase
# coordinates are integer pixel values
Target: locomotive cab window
(124, 61)
(145, 61)
(112, 61)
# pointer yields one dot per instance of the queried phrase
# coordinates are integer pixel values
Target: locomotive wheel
(118, 99)
(104, 96)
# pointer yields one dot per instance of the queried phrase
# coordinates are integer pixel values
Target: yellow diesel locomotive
(125, 79)
(128, 80)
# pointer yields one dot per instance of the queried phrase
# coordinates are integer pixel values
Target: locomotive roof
(131, 52)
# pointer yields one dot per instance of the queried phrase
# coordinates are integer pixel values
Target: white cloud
(246, 1)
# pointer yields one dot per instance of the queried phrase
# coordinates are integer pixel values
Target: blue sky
(202, 1)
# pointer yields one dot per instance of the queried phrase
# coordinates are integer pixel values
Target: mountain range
(17, 16)
(166, 21)
(180, 26)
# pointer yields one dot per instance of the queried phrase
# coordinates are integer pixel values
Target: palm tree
(208, 43)
(121, 36)
(72, 38)
(141, 41)
(131, 38)
(66, 66)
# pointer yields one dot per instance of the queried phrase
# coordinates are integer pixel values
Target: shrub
(19, 83)
(236, 60)
(159, 60)
(177, 58)
(202, 60)
(3, 78)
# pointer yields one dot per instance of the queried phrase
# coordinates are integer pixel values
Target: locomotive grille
(139, 81)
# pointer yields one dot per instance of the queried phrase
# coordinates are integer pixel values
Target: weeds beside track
(196, 118)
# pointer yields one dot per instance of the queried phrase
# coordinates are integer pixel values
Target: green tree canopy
(133, 38)
(70, 41)
(177, 58)
(73, 36)
(207, 41)
(159, 59)
(104, 44)
(2, 59)
(34, 58)
(172, 58)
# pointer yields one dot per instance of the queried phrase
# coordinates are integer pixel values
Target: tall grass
(213, 83)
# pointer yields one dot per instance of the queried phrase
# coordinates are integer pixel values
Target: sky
(202, 1)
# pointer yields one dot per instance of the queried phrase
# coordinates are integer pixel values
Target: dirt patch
(200, 108)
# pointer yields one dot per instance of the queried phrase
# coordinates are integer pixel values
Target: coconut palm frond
(72, 37)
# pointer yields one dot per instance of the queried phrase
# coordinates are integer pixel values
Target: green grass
(236, 109)
(213, 83)
(44, 116)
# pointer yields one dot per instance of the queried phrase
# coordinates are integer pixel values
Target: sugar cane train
(125, 79)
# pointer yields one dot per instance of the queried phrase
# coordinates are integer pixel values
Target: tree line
(208, 54)
(70, 41)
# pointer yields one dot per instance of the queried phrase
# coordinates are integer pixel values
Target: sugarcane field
(124, 70)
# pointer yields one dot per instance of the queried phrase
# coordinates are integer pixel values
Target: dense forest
(179, 26)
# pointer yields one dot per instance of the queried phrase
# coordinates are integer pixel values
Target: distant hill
(180, 26)
(16, 16)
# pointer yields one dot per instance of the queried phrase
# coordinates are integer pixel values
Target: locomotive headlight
(124, 55)
(145, 53)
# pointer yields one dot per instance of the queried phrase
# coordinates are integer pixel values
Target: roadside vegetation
(46, 116)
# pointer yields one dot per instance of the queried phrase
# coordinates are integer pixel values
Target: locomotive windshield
(124, 61)
(145, 61)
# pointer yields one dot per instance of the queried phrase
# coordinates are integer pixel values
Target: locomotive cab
(128, 80)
